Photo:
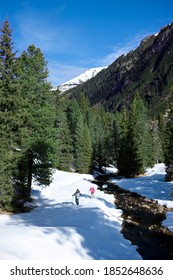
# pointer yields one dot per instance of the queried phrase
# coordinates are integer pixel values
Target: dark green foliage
(140, 129)
(26, 122)
(87, 151)
(37, 133)
(157, 142)
(76, 125)
(169, 147)
(9, 116)
(98, 126)
(85, 109)
(135, 141)
(122, 152)
(63, 139)
(85, 106)
(111, 139)
(80, 136)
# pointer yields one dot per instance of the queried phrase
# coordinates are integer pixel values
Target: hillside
(148, 70)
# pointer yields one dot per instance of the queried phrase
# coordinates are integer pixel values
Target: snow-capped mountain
(79, 79)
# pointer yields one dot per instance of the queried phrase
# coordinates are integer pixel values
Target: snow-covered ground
(59, 229)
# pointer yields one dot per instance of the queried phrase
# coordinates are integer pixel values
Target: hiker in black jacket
(77, 195)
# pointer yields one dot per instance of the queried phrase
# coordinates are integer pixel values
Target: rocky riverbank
(143, 222)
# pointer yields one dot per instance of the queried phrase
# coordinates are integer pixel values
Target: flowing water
(142, 223)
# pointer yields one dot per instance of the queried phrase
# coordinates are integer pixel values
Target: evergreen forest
(41, 131)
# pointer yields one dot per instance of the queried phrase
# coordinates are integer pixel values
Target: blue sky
(75, 35)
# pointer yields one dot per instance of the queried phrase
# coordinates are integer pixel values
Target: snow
(57, 229)
(79, 79)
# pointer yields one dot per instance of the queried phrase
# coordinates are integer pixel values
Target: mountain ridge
(148, 70)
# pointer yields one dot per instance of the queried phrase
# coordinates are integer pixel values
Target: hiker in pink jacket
(92, 191)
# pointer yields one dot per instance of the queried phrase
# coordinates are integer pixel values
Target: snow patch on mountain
(87, 75)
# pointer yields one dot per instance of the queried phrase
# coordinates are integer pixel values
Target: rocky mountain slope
(148, 70)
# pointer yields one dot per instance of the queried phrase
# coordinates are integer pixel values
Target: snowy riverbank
(153, 186)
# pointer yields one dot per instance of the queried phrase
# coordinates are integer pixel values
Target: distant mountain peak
(87, 75)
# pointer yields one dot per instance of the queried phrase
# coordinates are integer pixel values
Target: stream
(142, 222)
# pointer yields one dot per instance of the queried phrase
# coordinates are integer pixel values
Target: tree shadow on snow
(97, 231)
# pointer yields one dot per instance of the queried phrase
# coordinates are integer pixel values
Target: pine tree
(135, 147)
(116, 136)
(37, 133)
(84, 105)
(76, 126)
(85, 109)
(109, 138)
(122, 144)
(63, 139)
(161, 132)
(98, 127)
(78, 144)
(87, 150)
(157, 151)
(168, 150)
(138, 137)
(9, 115)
